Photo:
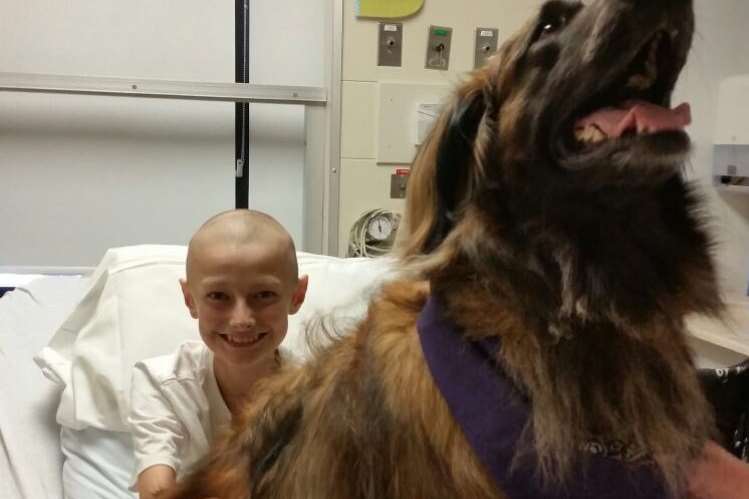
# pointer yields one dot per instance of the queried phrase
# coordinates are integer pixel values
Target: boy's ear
(189, 301)
(299, 294)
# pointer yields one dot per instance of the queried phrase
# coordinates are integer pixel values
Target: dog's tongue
(641, 116)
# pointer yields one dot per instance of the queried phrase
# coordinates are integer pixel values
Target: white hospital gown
(176, 409)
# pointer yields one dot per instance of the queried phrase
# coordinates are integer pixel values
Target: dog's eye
(551, 26)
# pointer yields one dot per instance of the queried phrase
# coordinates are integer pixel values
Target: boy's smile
(242, 341)
(242, 295)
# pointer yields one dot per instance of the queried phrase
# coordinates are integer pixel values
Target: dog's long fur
(583, 262)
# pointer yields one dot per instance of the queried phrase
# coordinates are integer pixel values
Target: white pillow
(134, 310)
(339, 290)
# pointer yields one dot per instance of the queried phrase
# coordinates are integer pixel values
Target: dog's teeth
(591, 134)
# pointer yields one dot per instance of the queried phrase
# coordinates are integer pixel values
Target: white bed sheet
(30, 455)
(97, 464)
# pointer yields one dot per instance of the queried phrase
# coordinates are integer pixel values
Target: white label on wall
(487, 33)
(426, 115)
(390, 27)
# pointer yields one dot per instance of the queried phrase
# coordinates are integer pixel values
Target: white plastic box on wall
(399, 119)
(731, 145)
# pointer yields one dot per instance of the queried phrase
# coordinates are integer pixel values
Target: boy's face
(242, 296)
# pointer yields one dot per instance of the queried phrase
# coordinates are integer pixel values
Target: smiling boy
(241, 285)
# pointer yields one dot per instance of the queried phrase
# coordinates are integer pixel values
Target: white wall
(720, 50)
(287, 48)
(81, 174)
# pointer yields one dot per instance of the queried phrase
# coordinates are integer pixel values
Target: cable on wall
(242, 109)
(373, 233)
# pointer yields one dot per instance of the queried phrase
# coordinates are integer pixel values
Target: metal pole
(242, 109)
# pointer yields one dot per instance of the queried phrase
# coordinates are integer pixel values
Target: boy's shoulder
(190, 361)
(288, 356)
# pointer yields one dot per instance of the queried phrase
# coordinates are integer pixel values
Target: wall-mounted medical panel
(390, 44)
(401, 108)
(360, 38)
(486, 45)
(389, 122)
(439, 43)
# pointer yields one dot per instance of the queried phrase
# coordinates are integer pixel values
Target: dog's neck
(586, 313)
(624, 262)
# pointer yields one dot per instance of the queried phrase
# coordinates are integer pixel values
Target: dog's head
(598, 81)
(566, 143)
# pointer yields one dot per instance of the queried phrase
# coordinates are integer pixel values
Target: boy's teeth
(241, 340)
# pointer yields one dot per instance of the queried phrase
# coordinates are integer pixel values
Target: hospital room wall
(719, 51)
(365, 183)
(80, 174)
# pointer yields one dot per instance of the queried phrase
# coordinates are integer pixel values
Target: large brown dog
(546, 213)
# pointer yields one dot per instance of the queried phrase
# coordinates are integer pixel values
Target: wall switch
(398, 181)
(438, 48)
(487, 40)
(390, 44)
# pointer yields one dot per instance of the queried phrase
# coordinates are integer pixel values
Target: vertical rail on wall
(315, 178)
(242, 109)
(323, 146)
(333, 78)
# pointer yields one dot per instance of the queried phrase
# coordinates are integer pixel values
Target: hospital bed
(67, 343)
(30, 452)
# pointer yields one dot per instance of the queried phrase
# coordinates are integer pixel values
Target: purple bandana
(492, 414)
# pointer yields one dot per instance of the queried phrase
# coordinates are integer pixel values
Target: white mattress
(30, 455)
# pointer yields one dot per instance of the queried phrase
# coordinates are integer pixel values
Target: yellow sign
(387, 8)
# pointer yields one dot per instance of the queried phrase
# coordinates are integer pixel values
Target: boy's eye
(266, 295)
(217, 296)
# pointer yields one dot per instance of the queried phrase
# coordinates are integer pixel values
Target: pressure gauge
(380, 228)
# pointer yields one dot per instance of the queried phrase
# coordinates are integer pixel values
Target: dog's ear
(455, 159)
(452, 163)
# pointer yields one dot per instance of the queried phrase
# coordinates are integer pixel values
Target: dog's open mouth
(636, 104)
(635, 116)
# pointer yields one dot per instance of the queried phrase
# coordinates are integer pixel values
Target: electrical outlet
(390, 44)
(438, 48)
(487, 40)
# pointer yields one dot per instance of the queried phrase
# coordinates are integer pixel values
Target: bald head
(236, 229)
